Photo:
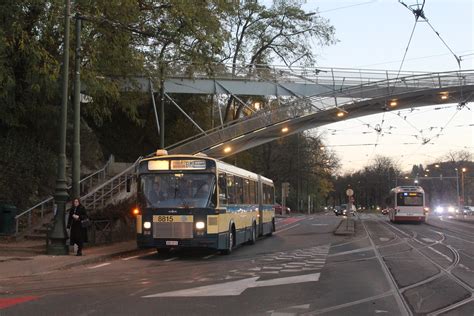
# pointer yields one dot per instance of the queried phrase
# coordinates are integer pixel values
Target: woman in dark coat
(78, 234)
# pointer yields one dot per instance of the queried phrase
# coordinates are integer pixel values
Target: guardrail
(285, 73)
(25, 219)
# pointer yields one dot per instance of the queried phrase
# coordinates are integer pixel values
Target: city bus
(407, 204)
(194, 201)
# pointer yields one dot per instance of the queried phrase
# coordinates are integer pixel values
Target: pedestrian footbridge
(311, 98)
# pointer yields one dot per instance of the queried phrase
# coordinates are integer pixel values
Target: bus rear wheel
(230, 242)
(272, 229)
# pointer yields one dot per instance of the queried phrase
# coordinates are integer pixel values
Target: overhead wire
(417, 13)
(458, 59)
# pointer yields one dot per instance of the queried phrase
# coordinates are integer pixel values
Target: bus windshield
(409, 199)
(170, 190)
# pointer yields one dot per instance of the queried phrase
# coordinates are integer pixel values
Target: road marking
(210, 256)
(365, 300)
(171, 259)
(384, 239)
(272, 268)
(351, 251)
(99, 265)
(142, 255)
(315, 261)
(289, 311)
(441, 254)
(320, 224)
(128, 258)
(282, 230)
(10, 301)
(236, 287)
(428, 240)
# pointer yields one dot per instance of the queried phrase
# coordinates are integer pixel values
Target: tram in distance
(194, 201)
(407, 204)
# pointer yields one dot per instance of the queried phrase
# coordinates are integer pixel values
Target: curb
(345, 227)
(95, 259)
(63, 262)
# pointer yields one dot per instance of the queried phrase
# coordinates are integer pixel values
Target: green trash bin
(7, 218)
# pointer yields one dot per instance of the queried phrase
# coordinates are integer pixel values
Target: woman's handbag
(86, 223)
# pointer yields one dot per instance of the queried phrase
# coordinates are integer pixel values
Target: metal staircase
(97, 190)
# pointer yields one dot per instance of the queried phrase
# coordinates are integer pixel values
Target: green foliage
(29, 69)
(298, 159)
(371, 184)
(25, 169)
(282, 33)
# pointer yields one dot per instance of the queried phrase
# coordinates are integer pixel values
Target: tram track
(453, 228)
(443, 271)
(401, 302)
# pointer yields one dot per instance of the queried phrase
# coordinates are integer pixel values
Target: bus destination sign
(188, 165)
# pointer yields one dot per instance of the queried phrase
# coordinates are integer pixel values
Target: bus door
(260, 205)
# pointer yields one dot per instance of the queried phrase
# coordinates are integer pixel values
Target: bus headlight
(200, 225)
(147, 225)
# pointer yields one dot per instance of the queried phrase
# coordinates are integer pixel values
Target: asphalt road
(303, 269)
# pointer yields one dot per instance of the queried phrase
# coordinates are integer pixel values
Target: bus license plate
(171, 243)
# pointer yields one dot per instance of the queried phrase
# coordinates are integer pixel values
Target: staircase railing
(25, 219)
(98, 197)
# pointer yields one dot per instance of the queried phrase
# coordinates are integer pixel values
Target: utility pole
(462, 186)
(162, 107)
(76, 149)
(457, 187)
(58, 234)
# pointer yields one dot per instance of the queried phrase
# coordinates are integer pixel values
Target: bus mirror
(129, 184)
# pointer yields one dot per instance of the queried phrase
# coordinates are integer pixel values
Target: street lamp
(457, 188)
(58, 234)
(462, 185)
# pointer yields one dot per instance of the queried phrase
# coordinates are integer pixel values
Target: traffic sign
(349, 192)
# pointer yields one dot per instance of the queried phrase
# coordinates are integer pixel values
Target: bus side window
(230, 189)
(222, 189)
(239, 190)
(266, 196)
(247, 191)
(253, 192)
(272, 195)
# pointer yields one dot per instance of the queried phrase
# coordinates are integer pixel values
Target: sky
(375, 35)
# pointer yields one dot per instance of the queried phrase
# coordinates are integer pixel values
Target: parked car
(282, 210)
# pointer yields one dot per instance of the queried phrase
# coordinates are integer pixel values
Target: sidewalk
(28, 258)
